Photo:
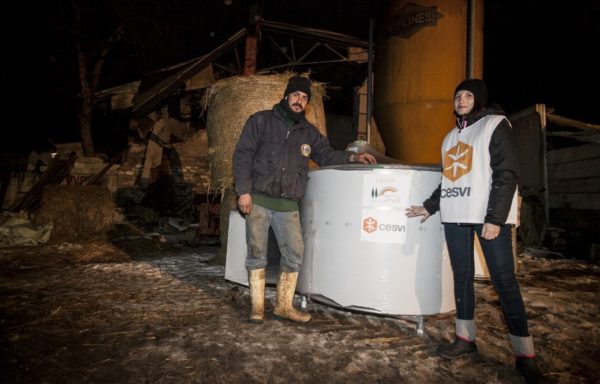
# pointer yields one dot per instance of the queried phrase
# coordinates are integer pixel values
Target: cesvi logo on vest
(457, 161)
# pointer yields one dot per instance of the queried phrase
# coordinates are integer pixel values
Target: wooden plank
(569, 186)
(574, 170)
(575, 201)
(580, 152)
(530, 149)
(524, 113)
(145, 101)
(58, 169)
(566, 122)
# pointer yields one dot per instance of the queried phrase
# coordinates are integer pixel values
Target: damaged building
(162, 180)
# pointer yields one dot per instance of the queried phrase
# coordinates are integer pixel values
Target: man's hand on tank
(364, 158)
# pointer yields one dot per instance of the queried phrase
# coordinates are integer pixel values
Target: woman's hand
(490, 231)
(415, 211)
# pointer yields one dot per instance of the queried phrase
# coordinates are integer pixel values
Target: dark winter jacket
(271, 156)
(505, 169)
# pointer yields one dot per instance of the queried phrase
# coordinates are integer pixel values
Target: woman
(477, 196)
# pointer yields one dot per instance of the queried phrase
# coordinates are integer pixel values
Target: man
(270, 170)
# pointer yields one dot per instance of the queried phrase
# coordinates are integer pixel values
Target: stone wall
(192, 154)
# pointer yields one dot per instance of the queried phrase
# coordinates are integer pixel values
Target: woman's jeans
(286, 226)
(498, 255)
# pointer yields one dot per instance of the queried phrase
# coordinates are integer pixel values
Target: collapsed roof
(334, 58)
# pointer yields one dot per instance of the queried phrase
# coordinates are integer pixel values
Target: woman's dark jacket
(505, 169)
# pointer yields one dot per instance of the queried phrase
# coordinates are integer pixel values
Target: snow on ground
(92, 313)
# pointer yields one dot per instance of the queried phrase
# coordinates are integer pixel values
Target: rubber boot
(256, 278)
(286, 287)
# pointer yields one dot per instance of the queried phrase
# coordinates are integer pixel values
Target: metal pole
(370, 80)
(470, 38)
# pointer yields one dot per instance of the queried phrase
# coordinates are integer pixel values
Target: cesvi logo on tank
(369, 225)
(383, 226)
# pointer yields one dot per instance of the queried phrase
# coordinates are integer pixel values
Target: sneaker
(460, 347)
(527, 366)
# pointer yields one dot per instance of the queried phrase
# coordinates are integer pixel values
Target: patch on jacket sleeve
(305, 150)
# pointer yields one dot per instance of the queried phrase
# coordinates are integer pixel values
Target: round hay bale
(77, 212)
(231, 101)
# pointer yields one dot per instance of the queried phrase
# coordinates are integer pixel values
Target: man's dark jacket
(269, 160)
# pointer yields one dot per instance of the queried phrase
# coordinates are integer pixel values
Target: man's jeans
(286, 226)
(498, 255)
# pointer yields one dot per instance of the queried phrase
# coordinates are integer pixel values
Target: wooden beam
(574, 169)
(576, 201)
(577, 153)
(566, 122)
(570, 186)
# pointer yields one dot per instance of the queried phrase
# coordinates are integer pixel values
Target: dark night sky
(534, 52)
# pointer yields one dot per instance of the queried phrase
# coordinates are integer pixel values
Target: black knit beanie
(298, 83)
(477, 87)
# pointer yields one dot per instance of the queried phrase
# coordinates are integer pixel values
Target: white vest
(467, 174)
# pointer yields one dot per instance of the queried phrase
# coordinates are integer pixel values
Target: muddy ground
(142, 312)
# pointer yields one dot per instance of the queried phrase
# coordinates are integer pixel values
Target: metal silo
(423, 50)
